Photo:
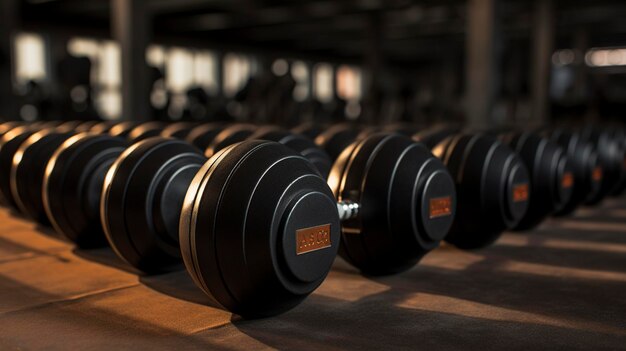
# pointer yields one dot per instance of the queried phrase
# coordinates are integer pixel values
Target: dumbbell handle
(348, 209)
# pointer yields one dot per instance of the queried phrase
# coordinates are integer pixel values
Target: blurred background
(482, 62)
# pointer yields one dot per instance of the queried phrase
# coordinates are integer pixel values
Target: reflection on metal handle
(347, 209)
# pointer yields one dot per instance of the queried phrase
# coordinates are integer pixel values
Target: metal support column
(542, 47)
(131, 23)
(481, 69)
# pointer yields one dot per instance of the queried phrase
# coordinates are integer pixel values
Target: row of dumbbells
(257, 213)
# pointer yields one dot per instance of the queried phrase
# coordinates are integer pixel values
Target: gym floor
(560, 286)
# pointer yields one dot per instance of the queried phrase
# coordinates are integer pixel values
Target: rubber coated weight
(551, 173)
(9, 144)
(610, 156)
(28, 172)
(73, 184)
(248, 215)
(586, 168)
(407, 200)
(299, 143)
(492, 186)
(142, 198)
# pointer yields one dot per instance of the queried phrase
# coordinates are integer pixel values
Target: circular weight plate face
(259, 229)
(202, 135)
(517, 191)
(300, 144)
(73, 185)
(566, 182)
(544, 161)
(407, 202)
(229, 136)
(9, 145)
(147, 178)
(28, 172)
(609, 157)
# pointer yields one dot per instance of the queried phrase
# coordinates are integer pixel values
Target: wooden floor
(561, 286)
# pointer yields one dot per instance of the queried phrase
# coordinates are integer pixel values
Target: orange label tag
(312, 239)
(520, 192)
(568, 180)
(597, 174)
(440, 206)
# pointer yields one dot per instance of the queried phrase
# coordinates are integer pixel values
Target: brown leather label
(568, 180)
(520, 192)
(312, 239)
(440, 206)
(597, 174)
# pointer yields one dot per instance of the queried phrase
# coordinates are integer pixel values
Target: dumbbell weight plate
(552, 176)
(407, 200)
(9, 144)
(492, 185)
(610, 157)
(28, 172)
(73, 185)
(142, 198)
(259, 229)
(586, 168)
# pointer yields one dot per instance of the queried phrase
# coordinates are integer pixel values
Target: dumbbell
(608, 144)
(551, 175)
(256, 226)
(492, 185)
(586, 168)
(27, 171)
(9, 144)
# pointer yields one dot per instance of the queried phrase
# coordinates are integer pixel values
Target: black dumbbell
(586, 167)
(256, 226)
(551, 175)
(9, 144)
(73, 183)
(28, 171)
(610, 156)
(492, 185)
